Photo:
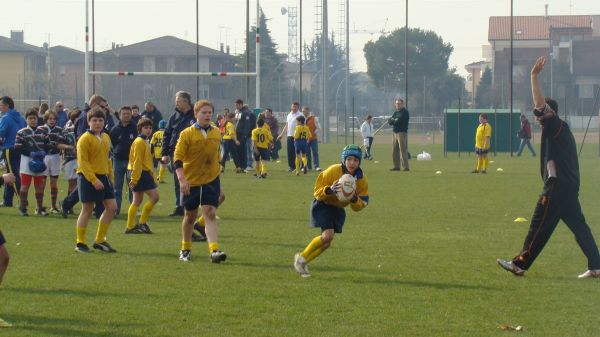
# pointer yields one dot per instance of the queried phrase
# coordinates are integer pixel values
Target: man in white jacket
(366, 130)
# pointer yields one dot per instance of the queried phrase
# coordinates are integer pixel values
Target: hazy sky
(463, 23)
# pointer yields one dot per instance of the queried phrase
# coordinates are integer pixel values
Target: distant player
(483, 138)
(95, 181)
(327, 210)
(32, 145)
(69, 156)
(142, 179)
(301, 138)
(261, 142)
(196, 162)
(56, 142)
(156, 144)
(229, 140)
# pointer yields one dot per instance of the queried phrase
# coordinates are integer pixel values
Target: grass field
(418, 261)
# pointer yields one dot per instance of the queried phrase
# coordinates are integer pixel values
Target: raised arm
(536, 90)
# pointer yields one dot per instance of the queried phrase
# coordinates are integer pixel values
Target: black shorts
(207, 194)
(145, 183)
(481, 151)
(2, 239)
(327, 216)
(88, 193)
(263, 154)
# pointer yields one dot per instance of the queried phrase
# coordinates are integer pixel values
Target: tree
(270, 62)
(485, 97)
(428, 69)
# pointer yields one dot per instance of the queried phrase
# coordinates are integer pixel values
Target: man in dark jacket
(246, 123)
(11, 121)
(182, 118)
(150, 111)
(121, 137)
(559, 168)
(399, 122)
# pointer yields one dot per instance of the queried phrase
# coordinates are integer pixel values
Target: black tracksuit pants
(291, 153)
(553, 206)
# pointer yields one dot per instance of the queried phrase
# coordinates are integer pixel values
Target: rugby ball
(348, 188)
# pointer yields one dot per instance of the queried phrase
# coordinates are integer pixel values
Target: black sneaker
(63, 211)
(135, 230)
(41, 211)
(199, 228)
(264, 176)
(178, 211)
(198, 237)
(218, 256)
(105, 247)
(184, 255)
(394, 169)
(145, 228)
(23, 211)
(304, 170)
(511, 267)
(82, 248)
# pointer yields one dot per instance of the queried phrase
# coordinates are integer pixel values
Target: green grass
(418, 261)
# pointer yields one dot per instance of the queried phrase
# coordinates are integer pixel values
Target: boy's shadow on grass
(64, 327)
(68, 292)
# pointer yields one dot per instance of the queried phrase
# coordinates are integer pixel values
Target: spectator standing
(288, 129)
(135, 114)
(525, 135)
(181, 119)
(245, 125)
(10, 123)
(121, 137)
(312, 152)
(399, 122)
(367, 132)
(273, 123)
(61, 114)
(150, 111)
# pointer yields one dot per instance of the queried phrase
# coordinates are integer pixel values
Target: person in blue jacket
(11, 121)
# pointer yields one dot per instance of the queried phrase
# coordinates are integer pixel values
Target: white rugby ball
(348, 187)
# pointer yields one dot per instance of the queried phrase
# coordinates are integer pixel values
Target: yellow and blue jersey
(327, 177)
(156, 143)
(229, 130)
(302, 132)
(262, 137)
(93, 156)
(140, 158)
(483, 131)
(198, 150)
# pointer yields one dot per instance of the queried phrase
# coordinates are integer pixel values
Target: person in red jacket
(525, 135)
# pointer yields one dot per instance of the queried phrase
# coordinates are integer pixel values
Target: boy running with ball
(327, 210)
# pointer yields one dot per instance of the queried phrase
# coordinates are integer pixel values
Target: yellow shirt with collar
(198, 150)
(93, 156)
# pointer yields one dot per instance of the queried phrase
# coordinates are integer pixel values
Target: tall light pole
(347, 96)
(406, 58)
(511, 81)
(324, 35)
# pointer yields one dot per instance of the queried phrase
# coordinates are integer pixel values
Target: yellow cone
(438, 172)
(499, 169)
(519, 219)
(4, 324)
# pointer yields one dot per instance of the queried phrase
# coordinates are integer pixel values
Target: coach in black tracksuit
(559, 168)
(182, 118)
(243, 130)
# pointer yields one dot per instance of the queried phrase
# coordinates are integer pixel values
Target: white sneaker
(511, 267)
(300, 265)
(318, 169)
(590, 274)
(184, 255)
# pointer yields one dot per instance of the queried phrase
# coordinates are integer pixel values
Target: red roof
(534, 27)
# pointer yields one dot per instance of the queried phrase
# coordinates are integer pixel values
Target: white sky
(463, 23)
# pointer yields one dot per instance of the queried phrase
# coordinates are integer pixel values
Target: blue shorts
(481, 151)
(2, 239)
(326, 216)
(207, 194)
(145, 183)
(301, 146)
(88, 193)
(263, 154)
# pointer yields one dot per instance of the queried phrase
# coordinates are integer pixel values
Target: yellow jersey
(483, 131)
(198, 150)
(333, 173)
(156, 142)
(140, 159)
(301, 132)
(262, 137)
(93, 156)
(229, 130)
